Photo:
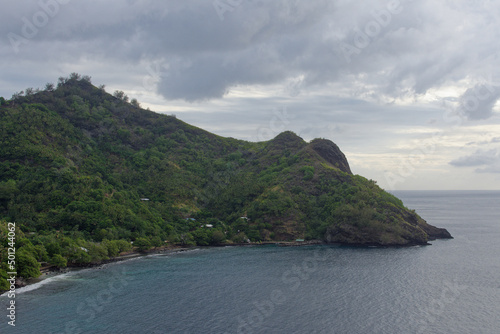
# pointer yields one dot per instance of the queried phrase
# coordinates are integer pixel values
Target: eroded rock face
(411, 230)
(329, 151)
(394, 225)
(347, 234)
(437, 232)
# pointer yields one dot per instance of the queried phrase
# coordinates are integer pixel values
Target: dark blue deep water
(452, 286)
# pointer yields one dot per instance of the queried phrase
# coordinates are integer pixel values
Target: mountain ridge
(81, 168)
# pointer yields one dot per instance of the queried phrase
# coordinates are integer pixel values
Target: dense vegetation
(85, 175)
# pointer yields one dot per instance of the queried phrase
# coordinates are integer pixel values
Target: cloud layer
(392, 48)
(488, 161)
(373, 76)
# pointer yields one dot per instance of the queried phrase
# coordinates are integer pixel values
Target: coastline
(52, 271)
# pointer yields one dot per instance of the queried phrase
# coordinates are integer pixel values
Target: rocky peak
(329, 151)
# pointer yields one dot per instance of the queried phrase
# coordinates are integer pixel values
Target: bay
(449, 287)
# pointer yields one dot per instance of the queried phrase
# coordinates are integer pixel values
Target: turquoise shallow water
(452, 286)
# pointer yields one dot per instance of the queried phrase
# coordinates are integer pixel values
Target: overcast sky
(409, 90)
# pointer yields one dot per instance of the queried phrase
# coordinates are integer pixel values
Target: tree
(187, 239)
(79, 256)
(53, 248)
(2, 101)
(112, 247)
(218, 237)
(202, 237)
(49, 87)
(156, 241)
(59, 261)
(119, 94)
(27, 265)
(123, 245)
(4, 284)
(8, 189)
(61, 81)
(39, 252)
(142, 244)
(75, 76)
(240, 238)
(135, 103)
(17, 95)
(97, 252)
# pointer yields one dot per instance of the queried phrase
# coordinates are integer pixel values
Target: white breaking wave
(43, 282)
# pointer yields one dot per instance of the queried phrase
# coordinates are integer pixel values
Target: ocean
(452, 286)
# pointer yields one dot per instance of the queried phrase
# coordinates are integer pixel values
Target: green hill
(84, 173)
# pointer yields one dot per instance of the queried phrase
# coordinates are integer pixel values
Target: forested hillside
(85, 175)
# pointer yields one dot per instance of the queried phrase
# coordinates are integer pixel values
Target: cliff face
(331, 153)
(412, 231)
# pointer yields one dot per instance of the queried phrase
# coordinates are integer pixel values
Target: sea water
(452, 286)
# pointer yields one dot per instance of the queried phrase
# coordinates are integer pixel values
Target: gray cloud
(485, 142)
(491, 169)
(489, 158)
(477, 102)
(404, 48)
(338, 66)
(275, 42)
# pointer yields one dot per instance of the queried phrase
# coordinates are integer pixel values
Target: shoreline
(52, 271)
